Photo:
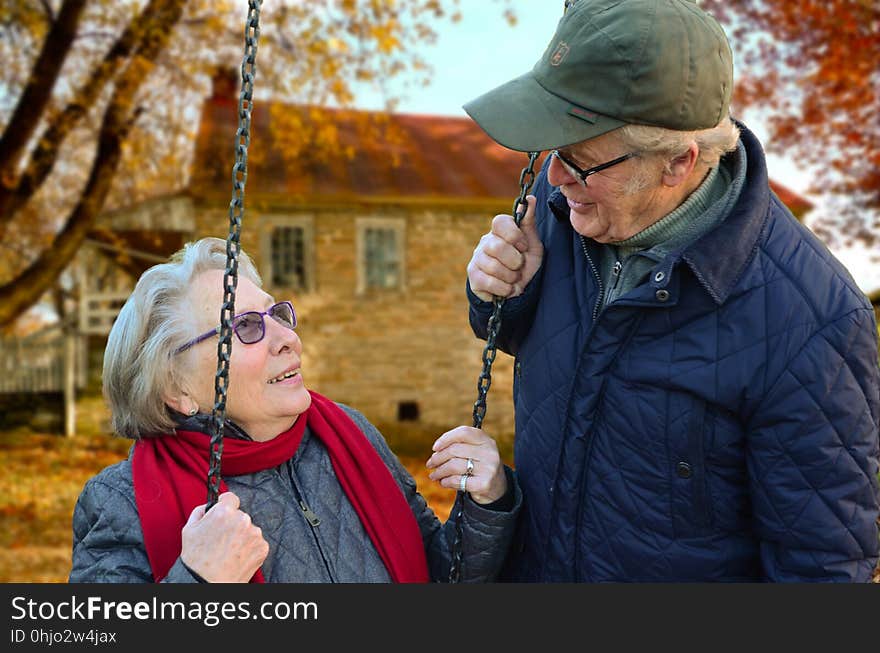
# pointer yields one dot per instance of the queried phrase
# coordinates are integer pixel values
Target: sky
(482, 51)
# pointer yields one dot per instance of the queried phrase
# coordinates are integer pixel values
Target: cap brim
(522, 115)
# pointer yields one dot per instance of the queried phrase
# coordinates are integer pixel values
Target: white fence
(99, 310)
(42, 362)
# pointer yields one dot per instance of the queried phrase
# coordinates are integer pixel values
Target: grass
(44, 474)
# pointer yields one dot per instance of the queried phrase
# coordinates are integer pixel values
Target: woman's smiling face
(266, 391)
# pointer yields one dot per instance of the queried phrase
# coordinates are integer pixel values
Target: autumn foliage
(43, 475)
(814, 67)
(99, 101)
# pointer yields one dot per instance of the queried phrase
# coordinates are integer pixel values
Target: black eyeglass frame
(262, 315)
(580, 174)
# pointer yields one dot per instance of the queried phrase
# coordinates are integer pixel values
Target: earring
(193, 410)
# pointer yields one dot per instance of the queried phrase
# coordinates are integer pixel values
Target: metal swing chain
(233, 246)
(520, 206)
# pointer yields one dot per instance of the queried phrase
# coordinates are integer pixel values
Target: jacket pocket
(699, 487)
(692, 502)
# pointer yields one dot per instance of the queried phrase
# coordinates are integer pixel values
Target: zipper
(311, 517)
(588, 446)
(313, 520)
(612, 291)
(601, 296)
(599, 300)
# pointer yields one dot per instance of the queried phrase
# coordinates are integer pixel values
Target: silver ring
(470, 467)
(462, 485)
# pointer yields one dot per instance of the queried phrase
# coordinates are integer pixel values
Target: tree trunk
(25, 290)
(13, 196)
(35, 97)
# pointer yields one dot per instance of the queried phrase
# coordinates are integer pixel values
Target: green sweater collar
(684, 223)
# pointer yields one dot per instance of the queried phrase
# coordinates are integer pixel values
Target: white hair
(140, 365)
(714, 142)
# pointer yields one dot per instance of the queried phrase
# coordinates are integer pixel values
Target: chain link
(233, 246)
(520, 207)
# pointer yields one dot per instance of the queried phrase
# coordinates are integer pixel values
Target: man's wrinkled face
(617, 202)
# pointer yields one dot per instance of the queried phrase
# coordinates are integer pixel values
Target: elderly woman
(311, 491)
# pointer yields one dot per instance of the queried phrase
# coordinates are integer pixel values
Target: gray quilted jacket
(108, 542)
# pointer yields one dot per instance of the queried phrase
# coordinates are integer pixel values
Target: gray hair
(140, 365)
(668, 144)
(714, 142)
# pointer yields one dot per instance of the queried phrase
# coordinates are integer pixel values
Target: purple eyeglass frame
(216, 330)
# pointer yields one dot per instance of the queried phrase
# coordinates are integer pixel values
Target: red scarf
(170, 473)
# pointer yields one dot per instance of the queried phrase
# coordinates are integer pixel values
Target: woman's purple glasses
(250, 327)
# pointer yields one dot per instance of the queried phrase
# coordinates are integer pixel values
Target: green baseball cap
(610, 63)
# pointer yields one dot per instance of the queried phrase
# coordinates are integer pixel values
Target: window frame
(270, 224)
(398, 226)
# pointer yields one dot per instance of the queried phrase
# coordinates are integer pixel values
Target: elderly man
(696, 378)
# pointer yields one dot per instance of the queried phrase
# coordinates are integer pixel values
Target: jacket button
(662, 295)
(683, 470)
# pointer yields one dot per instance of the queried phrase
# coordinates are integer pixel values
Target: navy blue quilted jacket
(717, 423)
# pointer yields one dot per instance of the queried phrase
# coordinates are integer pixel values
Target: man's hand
(507, 257)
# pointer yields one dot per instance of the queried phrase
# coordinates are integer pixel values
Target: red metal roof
(392, 156)
(409, 156)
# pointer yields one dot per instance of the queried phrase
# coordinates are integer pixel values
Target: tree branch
(50, 15)
(46, 151)
(26, 288)
(33, 100)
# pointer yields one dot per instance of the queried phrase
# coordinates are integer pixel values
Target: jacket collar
(203, 423)
(719, 258)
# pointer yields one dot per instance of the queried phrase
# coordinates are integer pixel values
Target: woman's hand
(223, 546)
(486, 481)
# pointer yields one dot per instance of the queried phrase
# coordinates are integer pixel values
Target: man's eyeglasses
(581, 175)
(250, 327)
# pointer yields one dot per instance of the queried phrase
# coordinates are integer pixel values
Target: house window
(380, 254)
(287, 253)
(288, 257)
